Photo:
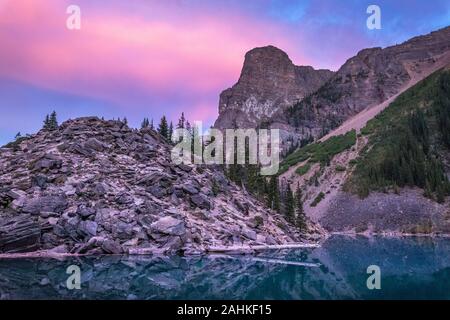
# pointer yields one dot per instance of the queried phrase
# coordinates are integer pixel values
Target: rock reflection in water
(411, 268)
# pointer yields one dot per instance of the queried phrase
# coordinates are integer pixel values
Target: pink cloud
(114, 52)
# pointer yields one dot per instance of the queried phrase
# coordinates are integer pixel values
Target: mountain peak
(269, 81)
(269, 51)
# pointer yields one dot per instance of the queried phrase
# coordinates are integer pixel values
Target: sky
(144, 58)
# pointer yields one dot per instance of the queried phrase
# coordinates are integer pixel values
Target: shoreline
(390, 234)
(241, 250)
(155, 252)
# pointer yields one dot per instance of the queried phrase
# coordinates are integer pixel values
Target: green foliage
(303, 169)
(441, 105)
(340, 168)
(289, 205)
(248, 175)
(181, 122)
(300, 220)
(273, 196)
(405, 138)
(16, 143)
(215, 188)
(321, 152)
(145, 123)
(319, 198)
(163, 127)
(170, 132)
(50, 122)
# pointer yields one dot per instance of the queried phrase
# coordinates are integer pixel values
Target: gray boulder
(88, 228)
(250, 234)
(201, 201)
(169, 226)
(111, 247)
(55, 203)
(190, 188)
(95, 145)
(85, 212)
(19, 234)
(157, 191)
(48, 162)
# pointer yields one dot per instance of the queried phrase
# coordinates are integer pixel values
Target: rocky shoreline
(56, 254)
(100, 187)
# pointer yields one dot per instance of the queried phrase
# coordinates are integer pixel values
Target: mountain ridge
(412, 202)
(369, 78)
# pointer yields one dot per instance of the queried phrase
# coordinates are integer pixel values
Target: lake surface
(411, 268)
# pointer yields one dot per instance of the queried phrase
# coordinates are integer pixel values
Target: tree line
(408, 144)
(277, 195)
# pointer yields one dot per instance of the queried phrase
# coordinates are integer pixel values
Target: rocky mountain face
(95, 186)
(371, 77)
(269, 82)
(302, 101)
(391, 178)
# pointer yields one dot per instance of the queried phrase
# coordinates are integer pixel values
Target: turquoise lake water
(411, 268)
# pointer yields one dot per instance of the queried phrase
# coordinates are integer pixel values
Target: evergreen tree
(300, 220)
(152, 126)
(51, 122)
(170, 133)
(441, 193)
(145, 123)
(273, 196)
(181, 122)
(163, 128)
(188, 127)
(125, 121)
(289, 205)
(18, 135)
(46, 122)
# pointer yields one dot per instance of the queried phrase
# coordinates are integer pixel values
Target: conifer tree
(170, 133)
(51, 122)
(273, 196)
(46, 122)
(289, 204)
(181, 122)
(188, 127)
(300, 220)
(145, 123)
(152, 126)
(163, 128)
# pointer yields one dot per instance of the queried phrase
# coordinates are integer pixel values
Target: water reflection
(416, 268)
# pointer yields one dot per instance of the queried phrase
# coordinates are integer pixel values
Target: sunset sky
(142, 58)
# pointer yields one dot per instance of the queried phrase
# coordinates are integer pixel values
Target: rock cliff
(269, 82)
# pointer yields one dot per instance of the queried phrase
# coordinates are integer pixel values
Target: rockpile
(95, 186)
